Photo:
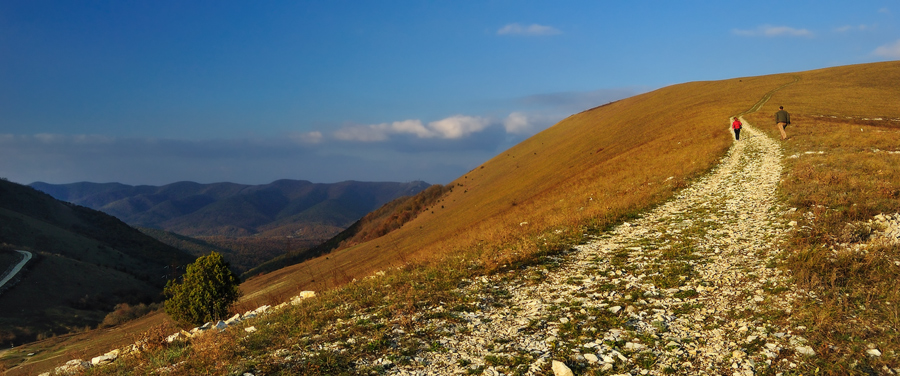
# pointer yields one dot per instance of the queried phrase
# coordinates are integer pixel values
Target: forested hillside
(85, 263)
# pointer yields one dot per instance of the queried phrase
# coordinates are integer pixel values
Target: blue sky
(153, 92)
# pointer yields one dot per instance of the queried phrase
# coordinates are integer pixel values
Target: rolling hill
(595, 169)
(281, 208)
(85, 263)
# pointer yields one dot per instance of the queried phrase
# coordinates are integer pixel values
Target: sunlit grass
(839, 174)
(588, 172)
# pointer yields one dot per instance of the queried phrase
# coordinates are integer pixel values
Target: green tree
(205, 293)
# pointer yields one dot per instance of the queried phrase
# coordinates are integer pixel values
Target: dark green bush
(206, 292)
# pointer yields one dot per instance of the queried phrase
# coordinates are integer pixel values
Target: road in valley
(15, 270)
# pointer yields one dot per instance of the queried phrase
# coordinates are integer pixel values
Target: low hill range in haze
(281, 208)
(248, 224)
(85, 262)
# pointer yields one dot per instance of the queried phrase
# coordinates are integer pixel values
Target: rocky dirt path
(689, 288)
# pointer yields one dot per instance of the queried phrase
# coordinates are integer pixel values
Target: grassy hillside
(85, 263)
(602, 166)
(591, 170)
(845, 121)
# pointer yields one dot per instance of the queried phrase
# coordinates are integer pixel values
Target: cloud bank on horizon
(774, 31)
(398, 151)
(155, 92)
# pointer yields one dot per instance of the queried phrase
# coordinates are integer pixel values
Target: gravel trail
(688, 288)
(26, 256)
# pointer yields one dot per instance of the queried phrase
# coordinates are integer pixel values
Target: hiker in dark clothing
(782, 119)
(736, 125)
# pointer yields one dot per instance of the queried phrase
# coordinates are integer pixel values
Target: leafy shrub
(207, 291)
(125, 312)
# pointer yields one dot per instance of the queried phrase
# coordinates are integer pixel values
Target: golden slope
(590, 169)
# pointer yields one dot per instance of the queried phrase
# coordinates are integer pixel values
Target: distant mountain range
(85, 263)
(284, 208)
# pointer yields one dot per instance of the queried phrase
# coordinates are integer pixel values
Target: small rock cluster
(78, 365)
(889, 226)
(862, 236)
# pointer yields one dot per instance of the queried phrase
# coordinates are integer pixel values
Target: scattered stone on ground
(688, 288)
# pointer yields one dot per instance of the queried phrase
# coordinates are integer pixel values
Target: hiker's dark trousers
(737, 134)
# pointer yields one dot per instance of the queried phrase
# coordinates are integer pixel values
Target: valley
(248, 224)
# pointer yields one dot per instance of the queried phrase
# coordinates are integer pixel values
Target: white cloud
(372, 133)
(313, 137)
(381, 132)
(891, 50)
(65, 158)
(458, 126)
(76, 139)
(453, 127)
(885, 11)
(773, 31)
(847, 28)
(410, 127)
(530, 30)
(516, 123)
(49, 138)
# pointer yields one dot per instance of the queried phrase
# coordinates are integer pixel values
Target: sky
(155, 92)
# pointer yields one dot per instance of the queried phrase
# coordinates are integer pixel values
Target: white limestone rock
(561, 369)
(176, 337)
(221, 325)
(234, 319)
(73, 366)
(105, 358)
(805, 350)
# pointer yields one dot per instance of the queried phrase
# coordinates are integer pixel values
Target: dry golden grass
(587, 172)
(858, 293)
(54, 351)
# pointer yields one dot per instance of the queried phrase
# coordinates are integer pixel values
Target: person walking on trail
(736, 125)
(782, 119)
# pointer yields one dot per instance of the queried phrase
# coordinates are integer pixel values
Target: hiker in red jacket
(736, 125)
